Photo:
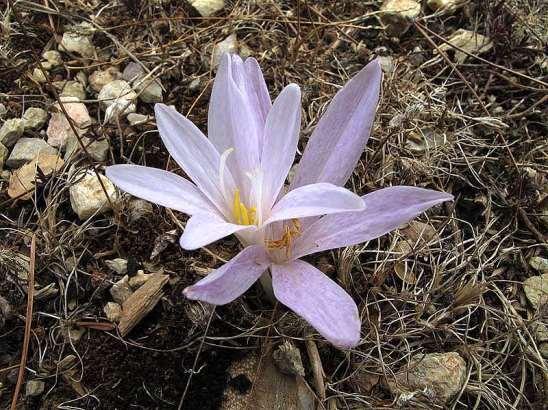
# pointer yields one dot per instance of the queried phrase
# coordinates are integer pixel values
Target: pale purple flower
(239, 172)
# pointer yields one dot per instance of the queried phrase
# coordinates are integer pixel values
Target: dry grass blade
(28, 325)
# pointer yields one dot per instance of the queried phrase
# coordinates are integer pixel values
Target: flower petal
(319, 300)
(234, 121)
(280, 145)
(339, 139)
(385, 210)
(203, 229)
(160, 187)
(232, 279)
(258, 93)
(313, 200)
(195, 154)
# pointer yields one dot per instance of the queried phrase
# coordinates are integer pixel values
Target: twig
(317, 368)
(483, 60)
(195, 361)
(28, 324)
(467, 84)
(530, 225)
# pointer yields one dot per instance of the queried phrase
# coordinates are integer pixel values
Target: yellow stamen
(242, 214)
(290, 232)
(236, 206)
(252, 214)
(245, 216)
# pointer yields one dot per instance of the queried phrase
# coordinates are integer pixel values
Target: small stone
(97, 149)
(113, 311)
(38, 75)
(53, 57)
(540, 331)
(543, 348)
(11, 131)
(207, 8)
(46, 65)
(23, 181)
(139, 279)
(536, 290)
(118, 265)
(121, 290)
(59, 130)
(26, 149)
(3, 155)
(194, 85)
(118, 98)
(98, 79)
(138, 208)
(132, 72)
(137, 119)
(469, 41)
(287, 359)
(87, 196)
(387, 64)
(228, 45)
(34, 118)
(74, 89)
(445, 6)
(439, 376)
(75, 333)
(34, 388)
(77, 39)
(426, 140)
(398, 15)
(149, 90)
(539, 264)
(81, 77)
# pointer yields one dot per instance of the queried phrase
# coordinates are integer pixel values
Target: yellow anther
(289, 234)
(242, 214)
(252, 214)
(245, 216)
(236, 207)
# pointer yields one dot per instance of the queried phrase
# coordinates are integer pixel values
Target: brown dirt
(468, 296)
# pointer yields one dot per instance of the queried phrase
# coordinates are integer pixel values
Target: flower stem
(266, 283)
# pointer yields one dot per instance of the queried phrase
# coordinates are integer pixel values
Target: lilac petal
(257, 93)
(280, 145)
(232, 279)
(203, 229)
(385, 210)
(320, 301)
(339, 139)
(233, 120)
(195, 154)
(160, 187)
(313, 200)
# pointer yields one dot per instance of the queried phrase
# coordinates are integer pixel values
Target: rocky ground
(454, 305)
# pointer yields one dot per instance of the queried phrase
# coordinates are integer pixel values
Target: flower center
(289, 233)
(243, 215)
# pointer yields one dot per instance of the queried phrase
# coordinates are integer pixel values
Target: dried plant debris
(452, 306)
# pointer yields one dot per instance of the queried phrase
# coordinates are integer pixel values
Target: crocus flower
(238, 176)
